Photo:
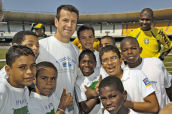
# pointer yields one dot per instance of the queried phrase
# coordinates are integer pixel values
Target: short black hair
(149, 10)
(129, 38)
(44, 64)
(87, 52)
(70, 8)
(84, 27)
(15, 52)
(109, 37)
(107, 49)
(19, 36)
(112, 81)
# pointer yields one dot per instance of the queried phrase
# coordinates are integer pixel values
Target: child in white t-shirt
(87, 80)
(153, 68)
(113, 96)
(21, 70)
(42, 99)
(24, 38)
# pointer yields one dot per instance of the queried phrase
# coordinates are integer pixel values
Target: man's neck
(62, 39)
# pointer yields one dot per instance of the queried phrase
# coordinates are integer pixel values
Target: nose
(129, 51)
(69, 23)
(108, 102)
(29, 71)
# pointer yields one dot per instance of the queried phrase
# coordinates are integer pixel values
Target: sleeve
(165, 41)
(80, 92)
(145, 85)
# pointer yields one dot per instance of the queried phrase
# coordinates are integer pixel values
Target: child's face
(31, 41)
(22, 71)
(87, 39)
(130, 52)
(46, 81)
(111, 63)
(87, 65)
(106, 41)
(111, 99)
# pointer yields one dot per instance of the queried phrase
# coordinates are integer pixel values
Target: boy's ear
(7, 69)
(125, 95)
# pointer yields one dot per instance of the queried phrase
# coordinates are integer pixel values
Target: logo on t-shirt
(146, 41)
(146, 82)
(23, 110)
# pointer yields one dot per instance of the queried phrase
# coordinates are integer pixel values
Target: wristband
(60, 109)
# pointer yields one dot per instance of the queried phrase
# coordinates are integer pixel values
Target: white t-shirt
(65, 57)
(136, 84)
(130, 112)
(13, 100)
(39, 104)
(80, 89)
(157, 74)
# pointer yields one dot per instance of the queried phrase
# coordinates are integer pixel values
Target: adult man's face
(145, 20)
(66, 24)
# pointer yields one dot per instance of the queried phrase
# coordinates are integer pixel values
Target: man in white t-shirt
(152, 67)
(61, 52)
(141, 96)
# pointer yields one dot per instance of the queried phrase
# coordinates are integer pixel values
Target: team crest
(146, 41)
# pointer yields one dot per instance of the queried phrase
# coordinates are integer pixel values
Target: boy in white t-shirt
(21, 70)
(88, 79)
(152, 67)
(42, 99)
(86, 37)
(141, 96)
(25, 38)
(113, 96)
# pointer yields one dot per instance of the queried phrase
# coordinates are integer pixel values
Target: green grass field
(167, 61)
(2, 56)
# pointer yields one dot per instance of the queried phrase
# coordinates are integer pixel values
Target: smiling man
(61, 52)
(151, 38)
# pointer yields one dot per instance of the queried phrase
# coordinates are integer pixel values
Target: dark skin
(145, 20)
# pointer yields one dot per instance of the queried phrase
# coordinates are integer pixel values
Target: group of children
(27, 87)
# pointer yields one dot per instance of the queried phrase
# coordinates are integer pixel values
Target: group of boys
(133, 87)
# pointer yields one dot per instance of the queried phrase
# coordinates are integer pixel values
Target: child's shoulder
(3, 86)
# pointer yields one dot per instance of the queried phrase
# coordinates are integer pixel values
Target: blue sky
(85, 6)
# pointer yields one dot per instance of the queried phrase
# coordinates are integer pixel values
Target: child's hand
(66, 100)
(97, 85)
(90, 93)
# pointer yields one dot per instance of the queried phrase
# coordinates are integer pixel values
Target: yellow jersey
(151, 41)
(95, 44)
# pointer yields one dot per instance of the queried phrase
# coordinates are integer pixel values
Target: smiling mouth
(110, 109)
